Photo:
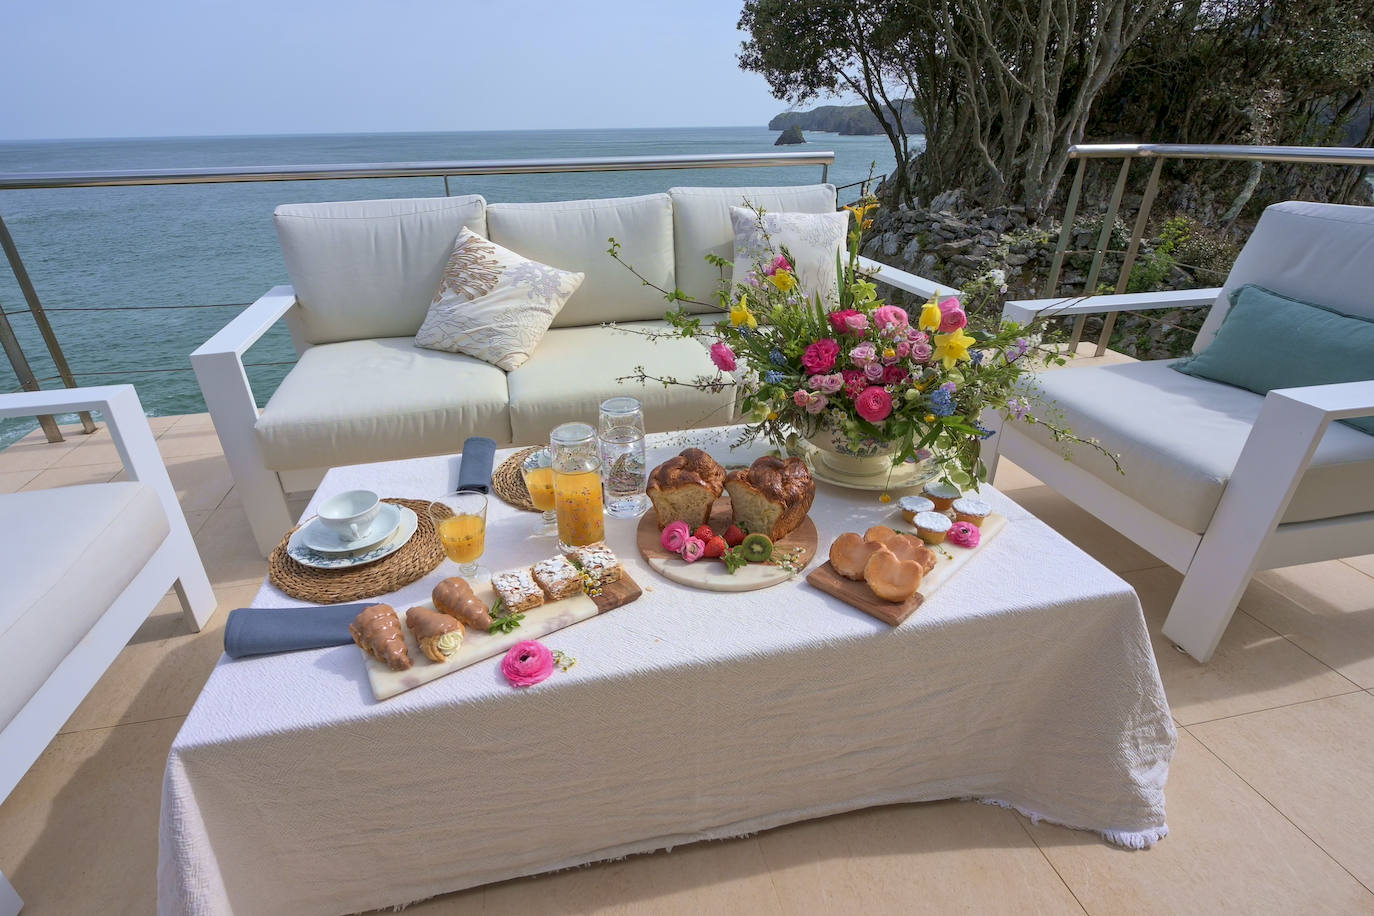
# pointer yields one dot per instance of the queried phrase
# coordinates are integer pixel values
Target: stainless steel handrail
(1315, 155)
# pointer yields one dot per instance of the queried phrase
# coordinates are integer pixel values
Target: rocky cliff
(790, 136)
(852, 120)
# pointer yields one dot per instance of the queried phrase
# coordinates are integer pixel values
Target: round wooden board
(711, 575)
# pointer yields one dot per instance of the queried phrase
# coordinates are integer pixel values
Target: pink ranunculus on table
(527, 663)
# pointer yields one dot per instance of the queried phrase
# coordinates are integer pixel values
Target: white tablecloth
(1027, 679)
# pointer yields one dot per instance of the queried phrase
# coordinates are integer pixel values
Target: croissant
(454, 597)
(439, 635)
(377, 631)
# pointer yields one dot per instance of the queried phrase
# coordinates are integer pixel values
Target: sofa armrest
(1024, 311)
(907, 282)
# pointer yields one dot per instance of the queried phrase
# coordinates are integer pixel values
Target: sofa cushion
(701, 226)
(369, 268)
(374, 400)
(1179, 438)
(572, 235)
(575, 369)
(81, 548)
(814, 241)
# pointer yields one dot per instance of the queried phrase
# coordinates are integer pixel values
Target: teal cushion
(1268, 341)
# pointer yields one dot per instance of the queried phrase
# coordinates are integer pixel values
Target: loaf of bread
(772, 497)
(683, 488)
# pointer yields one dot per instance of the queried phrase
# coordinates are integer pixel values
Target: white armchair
(1220, 482)
(82, 568)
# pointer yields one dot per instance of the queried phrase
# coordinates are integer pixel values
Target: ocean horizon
(214, 246)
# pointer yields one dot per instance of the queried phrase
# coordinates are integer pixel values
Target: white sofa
(81, 569)
(363, 274)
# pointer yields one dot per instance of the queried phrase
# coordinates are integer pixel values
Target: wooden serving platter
(478, 646)
(950, 559)
(712, 575)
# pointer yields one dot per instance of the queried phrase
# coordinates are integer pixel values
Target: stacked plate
(314, 545)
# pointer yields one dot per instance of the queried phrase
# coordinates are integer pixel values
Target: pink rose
(809, 401)
(894, 374)
(917, 337)
(820, 356)
(952, 317)
(838, 319)
(817, 403)
(723, 356)
(874, 404)
(827, 384)
(873, 372)
(856, 322)
(890, 316)
(964, 534)
(779, 263)
(527, 663)
(921, 352)
(903, 350)
(801, 398)
(863, 353)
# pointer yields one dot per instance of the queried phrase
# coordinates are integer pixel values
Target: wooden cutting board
(549, 617)
(949, 560)
(712, 575)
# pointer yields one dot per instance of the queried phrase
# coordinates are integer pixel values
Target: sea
(135, 278)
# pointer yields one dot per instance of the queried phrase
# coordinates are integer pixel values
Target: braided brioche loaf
(683, 488)
(772, 497)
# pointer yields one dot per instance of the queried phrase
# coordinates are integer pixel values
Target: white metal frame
(175, 564)
(1244, 535)
(908, 282)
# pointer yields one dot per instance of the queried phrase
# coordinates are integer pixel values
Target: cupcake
(942, 495)
(932, 526)
(912, 506)
(971, 509)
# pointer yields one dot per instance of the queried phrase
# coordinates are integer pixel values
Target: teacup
(350, 514)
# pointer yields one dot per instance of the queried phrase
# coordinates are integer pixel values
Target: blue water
(120, 248)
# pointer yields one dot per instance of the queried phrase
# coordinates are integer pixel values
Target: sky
(144, 68)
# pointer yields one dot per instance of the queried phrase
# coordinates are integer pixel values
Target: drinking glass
(537, 470)
(577, 486)
(623, 469)
(461, 522)
(621, 411)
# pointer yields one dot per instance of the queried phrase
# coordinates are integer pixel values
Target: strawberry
(715, 547)
(704, 532)
(734, 536)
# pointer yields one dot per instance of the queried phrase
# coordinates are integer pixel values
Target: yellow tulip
(784, 281)
(930, 316)
(951, 348)
(740, 314)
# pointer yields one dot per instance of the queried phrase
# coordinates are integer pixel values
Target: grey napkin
(474, 473)
(263, 630)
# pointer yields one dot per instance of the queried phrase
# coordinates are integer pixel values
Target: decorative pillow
(493, 303)
(1269, 341)
(813, 239)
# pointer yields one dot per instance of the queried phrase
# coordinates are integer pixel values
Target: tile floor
(1269, 795)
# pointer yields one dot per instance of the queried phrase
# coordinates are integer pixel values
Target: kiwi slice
(757, 548)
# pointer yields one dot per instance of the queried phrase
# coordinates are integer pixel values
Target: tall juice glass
(577, 486)
(461, 523)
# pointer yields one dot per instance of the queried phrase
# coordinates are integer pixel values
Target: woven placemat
(508, 482)
(419, 557)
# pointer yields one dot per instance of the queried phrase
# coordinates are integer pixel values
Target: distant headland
(851, 120)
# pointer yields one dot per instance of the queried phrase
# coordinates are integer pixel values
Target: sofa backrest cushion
(572, 235)
(370, 268)
(1306, 251)
(701, 226)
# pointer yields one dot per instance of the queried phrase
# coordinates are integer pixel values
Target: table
(1027, 680)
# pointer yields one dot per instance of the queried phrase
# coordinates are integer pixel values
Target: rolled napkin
(263, 630)
(474, 473)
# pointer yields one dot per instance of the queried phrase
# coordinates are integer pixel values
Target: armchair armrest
(908, 282)
(1025, 310)
(1339, 401)
(250, 324)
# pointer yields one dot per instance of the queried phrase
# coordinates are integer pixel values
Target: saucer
(322, 540)
(297, 550)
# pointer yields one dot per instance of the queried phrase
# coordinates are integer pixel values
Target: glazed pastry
(454, 597)
(849, 554)
(911, 506)
(971, 509)
(891, 578)
(377, 631)
(772, 497)
(933, 526)
(927, 558)
(683, 488)
(557, 577)
(880, 533)
(518, 590)
(942, 495)
(598, 562)
(439, 635)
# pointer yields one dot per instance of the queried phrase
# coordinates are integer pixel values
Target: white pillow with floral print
(813, 239)
(493, 303)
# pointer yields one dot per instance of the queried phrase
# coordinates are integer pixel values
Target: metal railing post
(24, 372)
(1065, 231)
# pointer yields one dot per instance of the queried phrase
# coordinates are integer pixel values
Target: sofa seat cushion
(81, 547)
(375, 400)
(575, 369)
(1179, 438)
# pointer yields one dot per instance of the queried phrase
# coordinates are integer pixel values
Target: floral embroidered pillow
(813, 239)
(493, 303)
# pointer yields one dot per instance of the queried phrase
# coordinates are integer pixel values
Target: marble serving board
(549, 617)
(949, 560)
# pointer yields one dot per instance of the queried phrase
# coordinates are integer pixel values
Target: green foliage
(1150, 273)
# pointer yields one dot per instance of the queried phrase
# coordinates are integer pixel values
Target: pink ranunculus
(863, 353)
(964, 534)
(779, 263)
(827, 384)
(952, 316)
(527, 663)
(890, 316)
(921, 352)
(856, 322)
(723, 356)
(817, 403)
(839, 318)
(874, 404)
(821, 355)
(873, 372)
(894, 374)
(903, 350)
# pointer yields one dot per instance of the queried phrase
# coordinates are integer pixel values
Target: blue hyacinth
(985, 433)
(941, 403)
(776, 358)
(773, 377)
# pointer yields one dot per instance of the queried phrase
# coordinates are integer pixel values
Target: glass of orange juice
(461, 522)
(577, 497)
(538, 472)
